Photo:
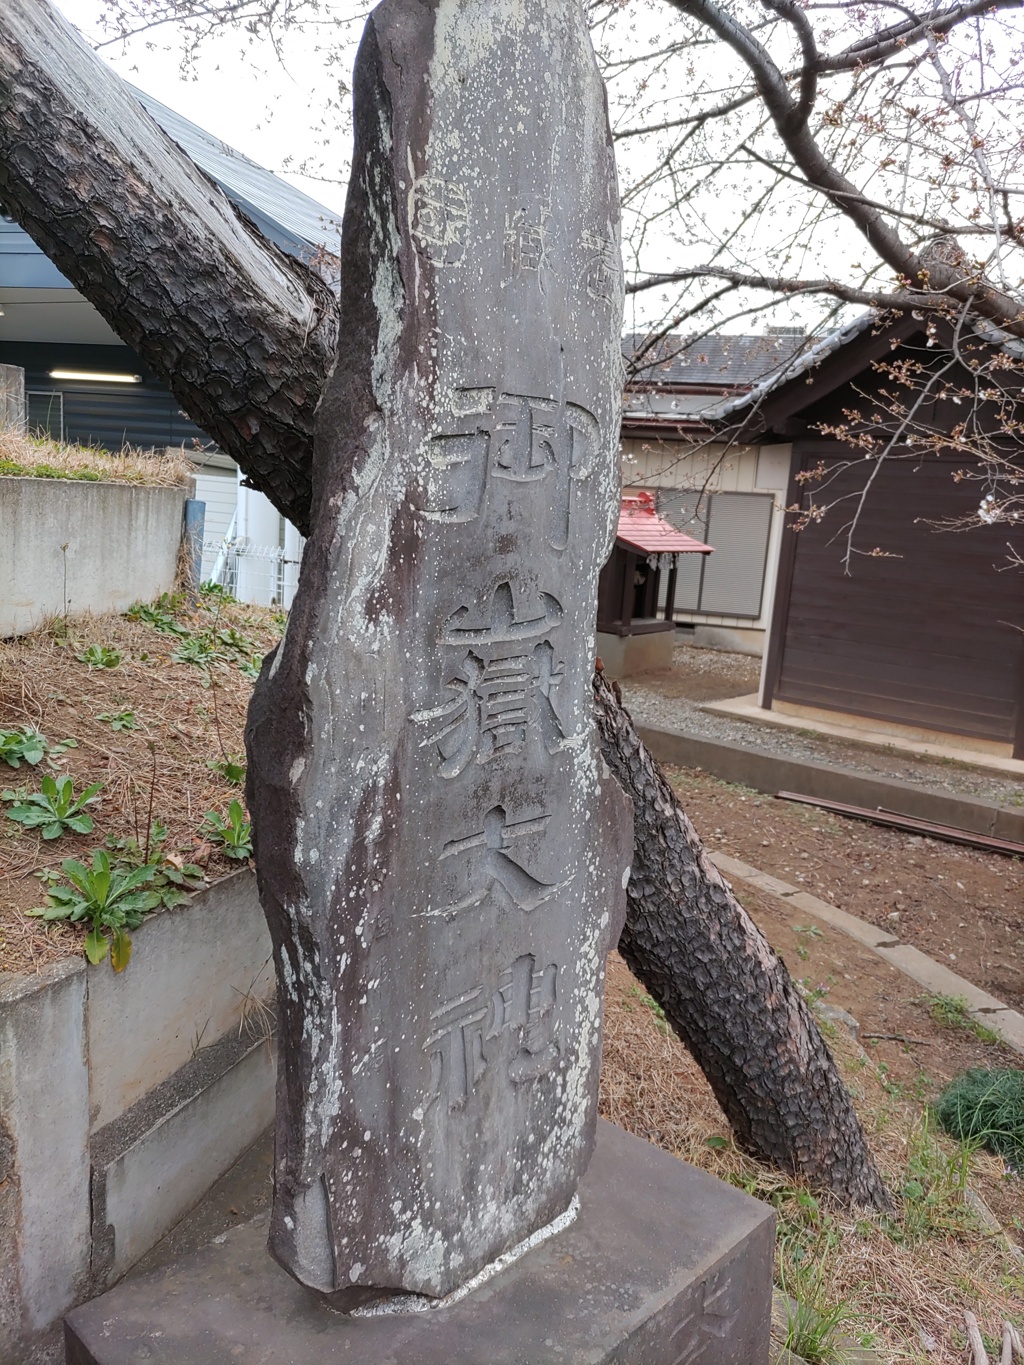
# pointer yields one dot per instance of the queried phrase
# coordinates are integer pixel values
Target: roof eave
(634, 547)
(812, 381)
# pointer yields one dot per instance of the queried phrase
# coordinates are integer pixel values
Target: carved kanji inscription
(504, 621)
(528, 240)
(456, 1048)
(440, 852)
(497, 706)
(602, 267)
(513, 438)
(512, 1028)
(496, 869)
(440, 219)
(708, 1323)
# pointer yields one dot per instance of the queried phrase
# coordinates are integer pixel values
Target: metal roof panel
(250, 185)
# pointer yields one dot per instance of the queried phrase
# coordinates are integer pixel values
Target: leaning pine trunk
(725, 992)
(241, 332)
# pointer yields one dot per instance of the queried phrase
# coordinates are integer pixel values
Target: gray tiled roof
(732, 361)
(754, 366)
(812, 352)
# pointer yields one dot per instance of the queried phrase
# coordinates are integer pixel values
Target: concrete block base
(158, 1160)
(734, 639)
(624, 655)
(663, 1266)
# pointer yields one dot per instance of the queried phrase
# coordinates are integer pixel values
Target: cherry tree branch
(794, 15)
(954, 280)
(887, 42)
(902, 302)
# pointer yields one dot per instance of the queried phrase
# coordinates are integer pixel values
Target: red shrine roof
(640, 528)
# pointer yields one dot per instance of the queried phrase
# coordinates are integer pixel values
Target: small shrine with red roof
(637, 589)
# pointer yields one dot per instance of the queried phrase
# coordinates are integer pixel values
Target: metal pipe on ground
(894, 820)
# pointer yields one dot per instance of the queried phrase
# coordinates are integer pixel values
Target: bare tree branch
(720, 111)
(794, 15)
(878, 46)
(903, 302)
(959, 283)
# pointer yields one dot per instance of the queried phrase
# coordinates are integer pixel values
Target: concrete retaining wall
(69, 546)
(625, 655)
(773, 773)
(122, 1100)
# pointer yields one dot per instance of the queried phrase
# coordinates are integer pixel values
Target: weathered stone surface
(664, 1266)
(442, 857)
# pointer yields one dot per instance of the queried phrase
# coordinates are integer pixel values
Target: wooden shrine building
(637, 589)
(900, 603)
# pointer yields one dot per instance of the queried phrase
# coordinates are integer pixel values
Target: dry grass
(22, 455)
(185, 716)
(898, 1277)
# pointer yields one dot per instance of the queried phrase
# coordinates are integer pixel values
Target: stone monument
(440, 855)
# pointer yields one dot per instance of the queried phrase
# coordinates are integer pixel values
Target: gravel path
(651, 702)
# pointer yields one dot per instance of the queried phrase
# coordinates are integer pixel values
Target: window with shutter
(729, 582)
(738, 528)
(687, 512)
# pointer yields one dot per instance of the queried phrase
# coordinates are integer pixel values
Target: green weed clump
(47, 471)
(55, 809)
(817, 1317)
(100, 656)
(231, 834)
(953, 1011)
(26, 744)
(986, 1106)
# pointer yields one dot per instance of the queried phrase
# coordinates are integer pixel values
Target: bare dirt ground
(896, 1276)
(904, 1284)
(178, 717)
(962, 906)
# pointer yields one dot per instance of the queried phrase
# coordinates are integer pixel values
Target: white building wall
(266, 569)
(697, 469)
(260, 533)
(218, 489)
(256, 550)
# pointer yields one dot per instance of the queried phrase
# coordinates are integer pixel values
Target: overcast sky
(272, 108)
(242, 94)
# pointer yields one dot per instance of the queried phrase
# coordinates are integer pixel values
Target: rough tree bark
(724, 991)
(245, 336)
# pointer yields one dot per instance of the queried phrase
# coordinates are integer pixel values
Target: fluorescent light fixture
(96, 376)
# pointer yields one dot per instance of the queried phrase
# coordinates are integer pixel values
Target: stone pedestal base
(664, 1266)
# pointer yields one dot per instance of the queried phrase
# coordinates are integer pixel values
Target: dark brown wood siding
(928, 633)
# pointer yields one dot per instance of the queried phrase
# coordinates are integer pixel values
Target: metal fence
(262, 574)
